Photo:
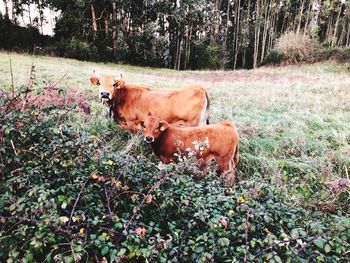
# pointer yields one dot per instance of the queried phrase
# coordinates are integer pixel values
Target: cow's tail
(205, 116)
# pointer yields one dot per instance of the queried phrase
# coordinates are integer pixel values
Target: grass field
(294, 122)
(297, 116)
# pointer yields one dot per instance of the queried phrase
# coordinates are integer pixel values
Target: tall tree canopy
(189, 34)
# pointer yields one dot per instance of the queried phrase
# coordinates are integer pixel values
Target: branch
(307, 244)
(76, 202)
(31, 220)
(62, 78)
(144, 200)
(108, 203)
(12, 84)
(246, 237)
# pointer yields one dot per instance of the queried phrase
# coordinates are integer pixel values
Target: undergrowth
(77, 188)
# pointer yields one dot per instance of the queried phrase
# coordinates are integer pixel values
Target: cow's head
(152, 127)
(106, 85)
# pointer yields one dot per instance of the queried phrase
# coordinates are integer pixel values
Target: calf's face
(106, 86)
(152, 127)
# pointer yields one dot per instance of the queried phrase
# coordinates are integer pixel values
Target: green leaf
(277, 259)
(347, 221)
(122, 252)
(104, 250)
(319, 242)
(327, 248)
(252, 243)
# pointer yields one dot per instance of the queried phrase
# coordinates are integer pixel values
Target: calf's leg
(227, 169)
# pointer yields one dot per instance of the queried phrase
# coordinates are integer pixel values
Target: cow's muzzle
(149, 139)
(105, 95)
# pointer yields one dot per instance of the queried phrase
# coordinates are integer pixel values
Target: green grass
(292, 120)
(294, 125)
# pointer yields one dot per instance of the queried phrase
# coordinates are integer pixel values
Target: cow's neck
(165, 144)
(159, 144)
(119, 97)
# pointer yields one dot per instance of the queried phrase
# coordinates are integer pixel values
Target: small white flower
(64, 219)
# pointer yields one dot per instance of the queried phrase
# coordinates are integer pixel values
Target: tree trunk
(246, 36)
(189, 45)
(301, 15)
(256, 35)
(6, 14)
(266, 26)
(40, 17)
(176, 64)
(334, 39)
(237, 31)
(215, 27)
(106, 25)
(94, 22)
(348, 36)
(114, 27)
(307, 19)
(225, 45)
(30, 16)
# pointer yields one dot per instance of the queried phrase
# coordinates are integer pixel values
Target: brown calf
(220, 141)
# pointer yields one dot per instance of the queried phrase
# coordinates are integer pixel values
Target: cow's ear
(95, 79)
(163, 125)
(139, 124)
(118, 83)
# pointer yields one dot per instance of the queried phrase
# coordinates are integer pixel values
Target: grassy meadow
(294, 124)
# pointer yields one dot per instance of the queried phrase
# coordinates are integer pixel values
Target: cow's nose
(149, 139)
(105, 95)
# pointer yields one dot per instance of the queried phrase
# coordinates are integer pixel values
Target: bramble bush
(69, 195)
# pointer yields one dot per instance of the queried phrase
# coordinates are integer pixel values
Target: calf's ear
(118, 83)
(163, 125)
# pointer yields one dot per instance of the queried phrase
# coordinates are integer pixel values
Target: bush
(293, 48)
(75, 48)
(274, 57)
(207, 56)
(14, 37)
(340, 55)
(68, 195)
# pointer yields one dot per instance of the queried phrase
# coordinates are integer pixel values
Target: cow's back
(185, 106)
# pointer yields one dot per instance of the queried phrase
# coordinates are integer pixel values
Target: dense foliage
(186, 34)
(14, 37)
(68, 194)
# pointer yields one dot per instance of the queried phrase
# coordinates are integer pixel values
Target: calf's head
(106, 86)
(152, 127)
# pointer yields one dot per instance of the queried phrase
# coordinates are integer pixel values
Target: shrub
(293, 48)
(14, 37)
(76, 48)
(67, 195)
(274, 57)
(207, 56)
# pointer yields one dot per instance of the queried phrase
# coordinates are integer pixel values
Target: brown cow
(188, 106)
(216, 141)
